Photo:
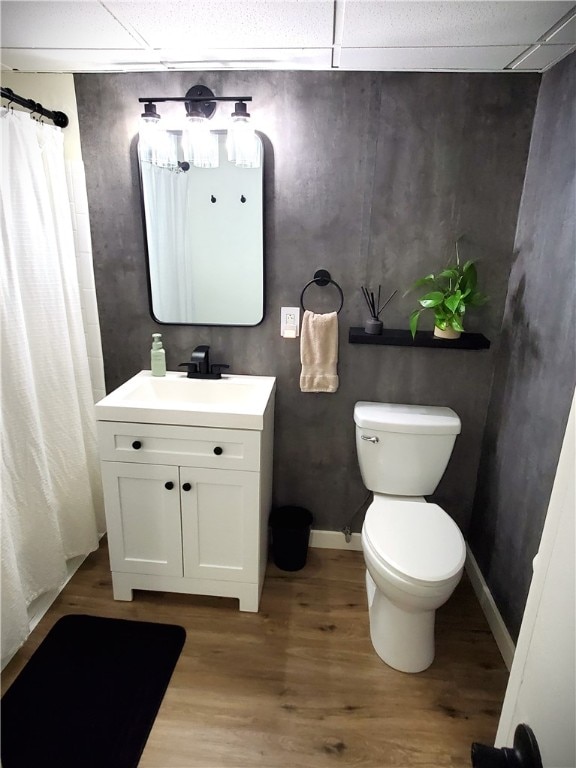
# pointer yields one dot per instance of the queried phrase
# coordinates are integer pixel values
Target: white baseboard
(335, 540)
(495, 621)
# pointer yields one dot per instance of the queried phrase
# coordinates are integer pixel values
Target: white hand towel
(319, 352)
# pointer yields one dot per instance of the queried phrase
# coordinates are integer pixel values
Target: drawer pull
(169, 485)
(136, 445)
(186, 487)
(218, 451)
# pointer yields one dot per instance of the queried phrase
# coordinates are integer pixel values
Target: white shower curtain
(51, 504)
(171, 240)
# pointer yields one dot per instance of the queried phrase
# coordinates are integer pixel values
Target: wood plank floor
(298, 684)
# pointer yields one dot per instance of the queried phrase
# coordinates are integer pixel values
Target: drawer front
(183, 446)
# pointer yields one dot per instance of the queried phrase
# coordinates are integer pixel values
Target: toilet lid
(418, 540)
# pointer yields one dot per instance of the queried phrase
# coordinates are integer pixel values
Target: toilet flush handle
(370, 439)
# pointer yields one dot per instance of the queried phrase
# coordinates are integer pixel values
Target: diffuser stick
(369, 302)
(386, 302)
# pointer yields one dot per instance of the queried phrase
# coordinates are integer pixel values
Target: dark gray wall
(535, 367)
(373, 176)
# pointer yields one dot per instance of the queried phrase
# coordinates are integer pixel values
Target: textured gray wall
(369, 175)
(535, 366)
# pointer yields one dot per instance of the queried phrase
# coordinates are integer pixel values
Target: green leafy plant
(450, 293)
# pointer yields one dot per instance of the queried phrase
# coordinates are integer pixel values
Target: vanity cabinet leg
(120, 588)
(250, 600)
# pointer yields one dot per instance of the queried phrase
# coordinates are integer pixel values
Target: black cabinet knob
(169, 485)
(136, 445)
(186, 487)
(218, 451)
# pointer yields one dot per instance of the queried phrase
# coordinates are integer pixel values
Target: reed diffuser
(373, 324)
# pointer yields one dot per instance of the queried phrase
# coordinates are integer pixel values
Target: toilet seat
(417, 541)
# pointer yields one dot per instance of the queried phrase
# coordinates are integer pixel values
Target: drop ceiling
(368, 35)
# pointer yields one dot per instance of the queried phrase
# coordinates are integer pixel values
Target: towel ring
(322, 277)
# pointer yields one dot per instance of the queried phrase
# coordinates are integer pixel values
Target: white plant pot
(449, 333)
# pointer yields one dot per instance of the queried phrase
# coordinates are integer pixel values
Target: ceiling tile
(482, 59)
(61, 24)
(194, 24)
(248, 58)
(49, 60)
(566, 35)
(543, 57)
(378, 35)
(411, 24)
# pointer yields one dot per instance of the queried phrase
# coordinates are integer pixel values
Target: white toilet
(414, 552)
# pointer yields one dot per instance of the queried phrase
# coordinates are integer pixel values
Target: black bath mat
(89, 695)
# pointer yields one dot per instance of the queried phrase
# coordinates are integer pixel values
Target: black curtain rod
(58, 118)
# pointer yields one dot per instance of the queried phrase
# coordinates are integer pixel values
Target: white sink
(236, 402)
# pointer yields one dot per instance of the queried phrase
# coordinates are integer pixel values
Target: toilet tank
(403, 450)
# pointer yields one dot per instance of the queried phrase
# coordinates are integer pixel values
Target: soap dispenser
(157, 356)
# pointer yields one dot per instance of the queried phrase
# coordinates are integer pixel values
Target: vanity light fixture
(200, 144)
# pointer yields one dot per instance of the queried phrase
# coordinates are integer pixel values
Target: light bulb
(200, 144)
(242, 145)
(152, 141)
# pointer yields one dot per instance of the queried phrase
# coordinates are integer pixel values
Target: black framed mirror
(204, 232)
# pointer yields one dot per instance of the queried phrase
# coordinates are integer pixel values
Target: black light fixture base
(240, 110)
(196, 94)
(150, 112)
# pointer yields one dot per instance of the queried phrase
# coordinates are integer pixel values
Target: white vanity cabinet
(187, 507)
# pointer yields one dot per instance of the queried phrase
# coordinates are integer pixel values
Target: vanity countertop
(233, 402)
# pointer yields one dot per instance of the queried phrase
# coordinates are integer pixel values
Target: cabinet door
(143, 517)
(220, 524)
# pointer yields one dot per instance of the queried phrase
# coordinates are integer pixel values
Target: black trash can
(290, 528)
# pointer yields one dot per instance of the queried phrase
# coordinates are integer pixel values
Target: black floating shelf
(402, 338)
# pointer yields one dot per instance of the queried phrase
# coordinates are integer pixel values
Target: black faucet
(199, 366)
(201, 356)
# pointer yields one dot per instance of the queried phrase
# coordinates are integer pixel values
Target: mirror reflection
(205, 239)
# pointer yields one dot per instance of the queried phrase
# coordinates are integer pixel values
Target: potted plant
(450, 293)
